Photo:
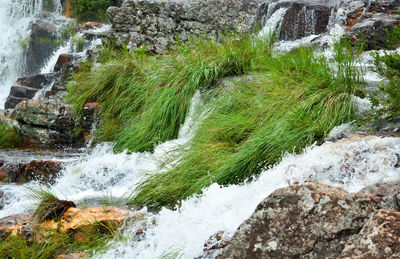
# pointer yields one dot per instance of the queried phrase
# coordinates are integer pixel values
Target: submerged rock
(301, 221)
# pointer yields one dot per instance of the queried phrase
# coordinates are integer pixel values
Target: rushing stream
(103, 175)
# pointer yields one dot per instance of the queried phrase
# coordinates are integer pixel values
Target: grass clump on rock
(145, 99)
(283, 103)
(49, 206)
(291, 101)
(42, 242)
(92, 239)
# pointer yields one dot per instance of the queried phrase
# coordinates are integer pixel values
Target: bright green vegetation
(281, 104)
(145, 99)
(292, 102)
(9, 138)
(91, 10)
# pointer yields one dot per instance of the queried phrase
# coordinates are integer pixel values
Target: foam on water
(103, 173)
(352, 165)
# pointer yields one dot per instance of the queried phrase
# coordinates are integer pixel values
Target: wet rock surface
(370, 22)
(214, 245)
(71, 221)
(44, 171)
(302, 221)
(156, 24)
(72, 256)
(25, 88)
(387, 194)
(48, 124)
(41, 44)
(302, 18)
(372, 29)
(379, 238)
(14, 225)
(52, 125)
(74, 219)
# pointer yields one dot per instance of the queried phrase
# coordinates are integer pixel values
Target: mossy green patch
(9, 137)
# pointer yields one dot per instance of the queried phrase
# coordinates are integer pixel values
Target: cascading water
(104, 173)
(351, 165)
(16, 18)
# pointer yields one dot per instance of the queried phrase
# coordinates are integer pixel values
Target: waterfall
(16, 18)
(349, 164)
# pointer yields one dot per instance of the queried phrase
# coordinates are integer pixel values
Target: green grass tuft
(49, 206)
(292, 102)
(145, 99)
(283, 103)
(94, 238)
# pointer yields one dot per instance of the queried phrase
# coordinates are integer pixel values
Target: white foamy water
(273, 23)
(103, 173)
(351, 165)
(69, 47)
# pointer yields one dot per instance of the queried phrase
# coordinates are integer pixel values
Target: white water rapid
(351, 165)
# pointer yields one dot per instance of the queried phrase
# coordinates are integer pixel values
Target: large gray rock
(156, 24)
(301, 221)
(370, 21)
(48, 124)
(379, 238)
(372, 29)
